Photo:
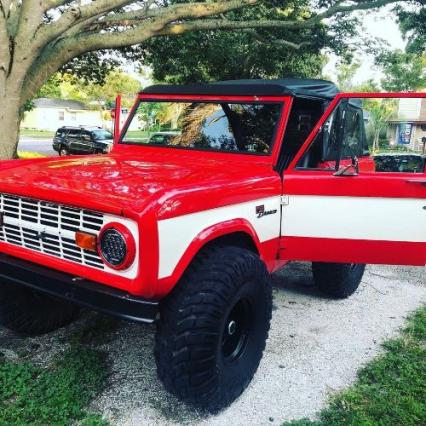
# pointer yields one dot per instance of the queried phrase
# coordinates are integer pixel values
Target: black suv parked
(82, 140)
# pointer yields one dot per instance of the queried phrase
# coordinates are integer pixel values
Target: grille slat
(49, 228)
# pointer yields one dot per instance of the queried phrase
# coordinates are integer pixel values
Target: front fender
(210, 234)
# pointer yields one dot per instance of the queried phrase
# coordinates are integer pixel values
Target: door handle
(417, 181)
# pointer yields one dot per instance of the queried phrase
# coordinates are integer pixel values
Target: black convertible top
(286, 86)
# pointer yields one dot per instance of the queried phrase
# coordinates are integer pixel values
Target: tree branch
(3, 11)
(177, 11)
(74, 16)
(101, 7)
(175, 20)
(163, 24)
(4, 46)
(279, 42)
(53, 4)
(30, 18)
(5, 7)
(138, 17)
(90, 41)
(218, 24)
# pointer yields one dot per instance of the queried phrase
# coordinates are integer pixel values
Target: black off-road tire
(201, 357)
(30, 313)
(63, 151)
(338, 280)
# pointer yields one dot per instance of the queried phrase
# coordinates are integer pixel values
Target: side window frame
(293, 166)
(298, 110)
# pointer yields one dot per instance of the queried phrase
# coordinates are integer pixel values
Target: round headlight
(116, 246)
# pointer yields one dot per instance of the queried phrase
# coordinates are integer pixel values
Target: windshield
(230, 127)
(102, 134)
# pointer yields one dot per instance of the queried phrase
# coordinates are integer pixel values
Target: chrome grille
(49, 228)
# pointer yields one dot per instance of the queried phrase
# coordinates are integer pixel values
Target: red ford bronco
(184, 230)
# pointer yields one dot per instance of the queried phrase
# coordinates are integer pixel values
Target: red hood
(123, 180)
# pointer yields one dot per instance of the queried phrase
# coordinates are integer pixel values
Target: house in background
(51, 114)
(408, 127)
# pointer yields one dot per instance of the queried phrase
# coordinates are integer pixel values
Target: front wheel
(63, 152)
(213, 328)
(338, 280)
(31, 313)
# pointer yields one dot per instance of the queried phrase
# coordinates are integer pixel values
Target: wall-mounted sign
(405, 132)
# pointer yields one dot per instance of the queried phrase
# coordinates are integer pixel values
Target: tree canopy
(403, 71)
(261, 53)
(48, 34)
(115, 82)
(38, 37)
(226, 55)
(413, 26)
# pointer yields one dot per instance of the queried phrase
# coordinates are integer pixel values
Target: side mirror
(350, 169)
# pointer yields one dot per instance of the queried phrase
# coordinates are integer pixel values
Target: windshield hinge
(285, 200)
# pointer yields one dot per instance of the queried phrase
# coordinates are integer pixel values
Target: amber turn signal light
(86, 241)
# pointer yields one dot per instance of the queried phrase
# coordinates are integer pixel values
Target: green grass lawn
(26, 155)
(59, 393)
(56, 395)
(31, 133)
(138, 134)
(390, 390)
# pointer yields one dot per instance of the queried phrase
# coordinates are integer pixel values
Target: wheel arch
(235, 232)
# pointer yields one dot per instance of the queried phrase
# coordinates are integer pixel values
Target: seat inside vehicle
(303, 117)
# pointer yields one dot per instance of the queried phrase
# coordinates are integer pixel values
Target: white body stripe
(364, 218)
(176, 234)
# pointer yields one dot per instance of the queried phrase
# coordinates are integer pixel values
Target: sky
(380, 24)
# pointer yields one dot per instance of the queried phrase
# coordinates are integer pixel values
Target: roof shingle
(59, 103)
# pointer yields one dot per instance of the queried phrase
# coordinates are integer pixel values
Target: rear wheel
(338, 280)
(213, 328)
(30, 313)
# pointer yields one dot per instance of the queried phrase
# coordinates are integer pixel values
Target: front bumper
(83, 292)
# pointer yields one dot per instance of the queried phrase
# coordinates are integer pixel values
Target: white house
(408, 127)
(50, 114)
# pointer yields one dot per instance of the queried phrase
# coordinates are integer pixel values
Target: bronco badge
(260, 211)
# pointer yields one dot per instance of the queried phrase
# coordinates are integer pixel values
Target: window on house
(61, 115)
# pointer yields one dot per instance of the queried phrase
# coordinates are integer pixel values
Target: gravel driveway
(315, 347)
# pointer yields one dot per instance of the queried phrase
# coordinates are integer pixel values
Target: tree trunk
(376, 141)
(9, 120)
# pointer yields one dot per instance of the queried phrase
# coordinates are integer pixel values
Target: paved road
(315, 347)
(40, 146)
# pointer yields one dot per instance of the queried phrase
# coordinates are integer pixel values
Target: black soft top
(297, 87)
